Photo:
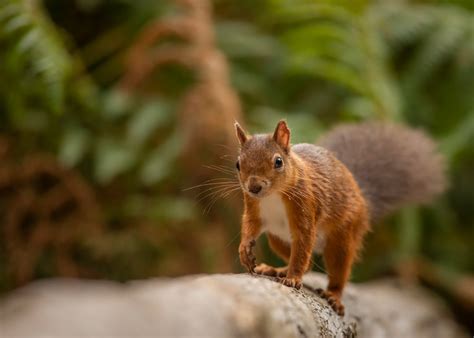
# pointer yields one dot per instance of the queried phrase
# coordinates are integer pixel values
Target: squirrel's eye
(237, 165)
(278, 162)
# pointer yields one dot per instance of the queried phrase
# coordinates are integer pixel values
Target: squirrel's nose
(255, 188)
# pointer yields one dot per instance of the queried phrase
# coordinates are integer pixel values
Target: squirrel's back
(393, 165)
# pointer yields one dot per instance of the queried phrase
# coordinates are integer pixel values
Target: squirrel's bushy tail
(393, 165)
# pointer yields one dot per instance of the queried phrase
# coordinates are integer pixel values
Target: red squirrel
(322, 198)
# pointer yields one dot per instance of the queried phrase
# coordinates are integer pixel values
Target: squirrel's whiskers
(216, 188)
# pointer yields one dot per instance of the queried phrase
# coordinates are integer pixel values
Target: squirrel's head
(263, 164)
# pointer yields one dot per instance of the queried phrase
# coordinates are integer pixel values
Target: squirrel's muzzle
(257, 185)
(255, 188)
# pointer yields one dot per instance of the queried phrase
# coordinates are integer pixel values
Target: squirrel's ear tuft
(282, 135)
(241, 135)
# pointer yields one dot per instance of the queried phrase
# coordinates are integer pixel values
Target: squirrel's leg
(280, 247)
(339, 254)
(283, 250)
(304, 236)
(250, 230)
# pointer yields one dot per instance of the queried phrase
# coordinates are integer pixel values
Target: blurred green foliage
(317, 63)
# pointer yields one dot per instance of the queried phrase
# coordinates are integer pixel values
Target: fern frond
(345, 48)
(431, 37)
(401, 27)
(34, 51)
(442, 33)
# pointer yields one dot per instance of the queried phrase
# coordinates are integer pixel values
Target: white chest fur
(275, 221)
(274, 217)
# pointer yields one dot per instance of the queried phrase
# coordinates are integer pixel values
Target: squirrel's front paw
(291, 282)
(247, 258)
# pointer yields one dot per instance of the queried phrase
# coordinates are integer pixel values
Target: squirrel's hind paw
(267, 270)
(333, 300)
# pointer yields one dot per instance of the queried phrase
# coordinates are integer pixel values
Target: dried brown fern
(210, 107)
(44, 208)
(206, 114)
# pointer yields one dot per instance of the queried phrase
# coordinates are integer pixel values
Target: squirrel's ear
(241, 135)
(282, 135)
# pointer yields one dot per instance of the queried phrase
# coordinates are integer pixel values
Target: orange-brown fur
(378, 168)
(315, 198)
